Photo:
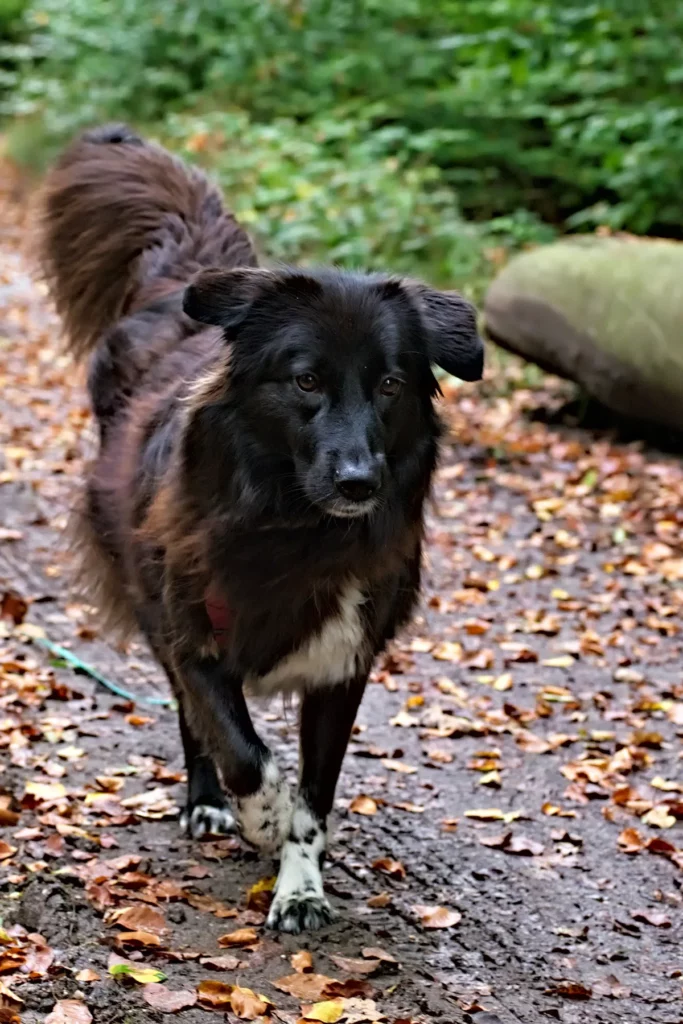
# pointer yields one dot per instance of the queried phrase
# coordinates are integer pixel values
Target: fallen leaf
(363, 805)
(302, 962)
(247, 1005)
(524, 846)
(667, 785)
(240, 937)
(448, 651)
(388, 866)
(355, 965)
(260, 896)
(554, 811)
(136, 939)
(653, 917)
(167, 1000)
(69, 1011)
(6, 850)
(221, 963)
(659, 817)
(375, 953)
(382, 899)
(143, 975)
(328, 1012)
(570, 990)
(409, 806)
(630, 841)
(43, 792)
(493, 814)
(139, 918)
(87, 976)
(214, 993)
(437, 917)
(304, 986)
(561, 661)
(398, 766)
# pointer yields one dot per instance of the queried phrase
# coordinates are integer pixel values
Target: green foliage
(333, 191)
(393, 113)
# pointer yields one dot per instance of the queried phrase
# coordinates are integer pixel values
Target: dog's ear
(449, 323)
(224, 298)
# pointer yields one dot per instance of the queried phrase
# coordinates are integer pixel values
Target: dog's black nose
(357, 482)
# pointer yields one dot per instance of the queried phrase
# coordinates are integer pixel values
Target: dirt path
(542, 681)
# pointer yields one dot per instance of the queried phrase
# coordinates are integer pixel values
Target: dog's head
(332, 370)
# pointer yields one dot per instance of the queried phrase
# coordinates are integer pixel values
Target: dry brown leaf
(653, 917)
(437, 917)
(246, 1005)
(166, 1000)
(221, 963)
(398, 766)
(302, 962)
(389, 866)
(630, 841)
(355, 965)
(139, 918)
(69, 1011)
(240, 937)
(304, 986)
(382, 899)
(363, 805)
(87, 976)
(570, 990)
(136, 939)
(214, 993)
(376, 953)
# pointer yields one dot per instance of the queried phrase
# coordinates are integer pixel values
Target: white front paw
(265, 816)
(299, 903)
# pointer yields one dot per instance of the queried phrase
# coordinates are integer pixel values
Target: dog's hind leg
(217, 711)
(206, 810)
(327, 717)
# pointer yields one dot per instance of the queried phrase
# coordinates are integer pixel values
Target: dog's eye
(390, 386)
(307, 382)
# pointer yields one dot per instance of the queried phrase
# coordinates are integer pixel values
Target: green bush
(333, 192)
(570, 110)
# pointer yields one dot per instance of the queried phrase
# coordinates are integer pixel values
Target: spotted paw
(204, 819)
(300, 912)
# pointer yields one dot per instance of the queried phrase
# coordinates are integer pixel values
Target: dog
(267, 438)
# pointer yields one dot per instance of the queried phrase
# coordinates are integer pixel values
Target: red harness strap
(220, 614)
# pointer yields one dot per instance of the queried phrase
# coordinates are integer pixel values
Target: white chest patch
(330, 656)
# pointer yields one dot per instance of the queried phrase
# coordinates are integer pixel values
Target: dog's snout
(358, 481)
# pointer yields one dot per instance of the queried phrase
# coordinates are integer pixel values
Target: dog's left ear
(450, 326)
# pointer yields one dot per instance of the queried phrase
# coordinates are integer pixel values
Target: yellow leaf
(46, 790)
(659, 817)
(562, 661)
(668, 785)
(143, 975)
(329, 1011)
(493, 814)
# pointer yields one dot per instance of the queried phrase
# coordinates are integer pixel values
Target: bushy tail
(118, 216)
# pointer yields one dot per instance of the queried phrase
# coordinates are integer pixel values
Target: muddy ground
(542, 680)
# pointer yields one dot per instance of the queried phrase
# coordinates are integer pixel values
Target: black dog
(256, 505)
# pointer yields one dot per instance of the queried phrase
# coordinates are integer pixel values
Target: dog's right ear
(224, 298)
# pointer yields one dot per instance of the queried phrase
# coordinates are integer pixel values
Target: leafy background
(428, 136)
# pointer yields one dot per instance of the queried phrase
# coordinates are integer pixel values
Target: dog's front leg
(218, 715)
(327, 717)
